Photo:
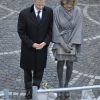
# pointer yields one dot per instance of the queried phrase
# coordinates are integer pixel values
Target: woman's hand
(67, 49)
(70, 46)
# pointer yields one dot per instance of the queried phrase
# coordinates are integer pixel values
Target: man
(35, 31)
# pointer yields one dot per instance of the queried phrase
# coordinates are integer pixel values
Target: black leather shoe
(28, 94)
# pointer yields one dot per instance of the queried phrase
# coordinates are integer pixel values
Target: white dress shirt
(36, 12)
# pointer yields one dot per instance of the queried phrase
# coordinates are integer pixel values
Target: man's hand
(39, 46)
(35, 45)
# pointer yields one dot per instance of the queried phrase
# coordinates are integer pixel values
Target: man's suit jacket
(31, 31)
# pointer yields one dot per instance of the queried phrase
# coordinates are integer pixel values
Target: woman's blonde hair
(68, 1)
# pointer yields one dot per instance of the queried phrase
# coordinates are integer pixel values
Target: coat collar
(33, 15)
(32, 8)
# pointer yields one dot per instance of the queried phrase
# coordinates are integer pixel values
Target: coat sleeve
(49, 34)
(21, 28)
(77, 38)
(57, 38)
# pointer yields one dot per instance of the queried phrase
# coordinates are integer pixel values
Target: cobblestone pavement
(86, 70)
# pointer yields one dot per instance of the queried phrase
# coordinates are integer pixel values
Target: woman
(67, 39)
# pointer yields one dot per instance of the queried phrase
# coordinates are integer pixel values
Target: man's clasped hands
(38, 46)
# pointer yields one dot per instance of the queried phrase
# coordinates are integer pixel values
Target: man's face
(39, 4)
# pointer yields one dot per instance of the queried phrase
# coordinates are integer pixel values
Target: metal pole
(1, 93)
(6, 94)
(69, 89)
(34, 93)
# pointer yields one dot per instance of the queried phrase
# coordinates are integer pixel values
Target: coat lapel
(33, 15)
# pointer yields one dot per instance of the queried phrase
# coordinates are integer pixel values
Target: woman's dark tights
(60, 66)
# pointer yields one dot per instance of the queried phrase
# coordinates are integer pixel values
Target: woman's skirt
(61, 57)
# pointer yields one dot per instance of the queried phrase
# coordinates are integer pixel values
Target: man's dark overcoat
(31, 31)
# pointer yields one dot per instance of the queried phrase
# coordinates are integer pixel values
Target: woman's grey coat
(67, 29)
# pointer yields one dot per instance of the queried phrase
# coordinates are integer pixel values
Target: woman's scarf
(66, 26)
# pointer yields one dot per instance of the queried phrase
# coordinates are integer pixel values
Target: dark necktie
(38, 16)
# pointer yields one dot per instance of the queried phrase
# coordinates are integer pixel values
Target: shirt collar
(36, 10)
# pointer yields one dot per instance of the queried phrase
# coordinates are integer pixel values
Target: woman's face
(68, 6)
